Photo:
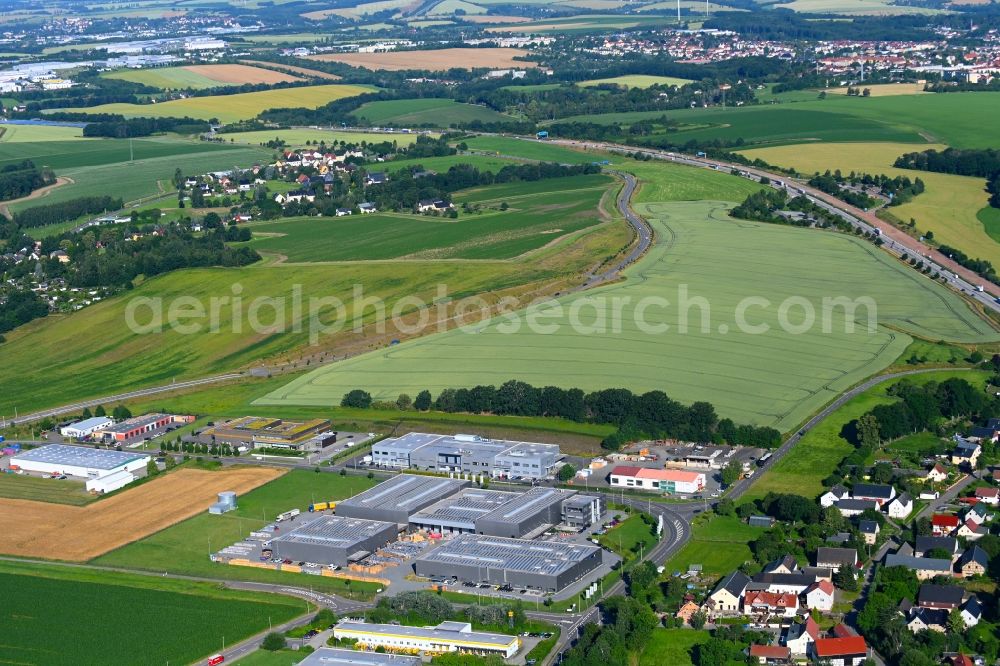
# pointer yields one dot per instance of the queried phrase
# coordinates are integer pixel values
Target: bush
(273, 642)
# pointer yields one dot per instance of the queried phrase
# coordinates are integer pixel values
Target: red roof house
(771, 654)
(848, 650)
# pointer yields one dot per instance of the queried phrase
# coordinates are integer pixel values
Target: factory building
(141, 427)
(445, 637)
(86, 427)
(399, 498)
(325, 656)
(257, 432)
(672, 481)
(334, 540)
(542, 565)
(467, 454)
(110, 482)
(515, 515)
(77, 461)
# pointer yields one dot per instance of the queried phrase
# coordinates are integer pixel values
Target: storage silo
(228, 499)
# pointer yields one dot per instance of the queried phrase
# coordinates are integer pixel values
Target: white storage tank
(228, 498)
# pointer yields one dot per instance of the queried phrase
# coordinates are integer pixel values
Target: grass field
(628, 536)
(232, 108)
(434, 60)
(638, 81)
(430, 111)
(14, 486)
(298, 137)
(776, 379)
(949, 206)
(531, 221)
(200, 77)
(442, 164)
(184, 547)
(817, 455)
(885, 89)
(140, 620)
(672, 646)
(34, 133)
(854, 7)
(718, 543)
(531, 150)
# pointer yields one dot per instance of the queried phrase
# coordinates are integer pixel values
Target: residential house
(925, 568)
(770, 654)
(940, 596)
(973, 562)
(943, 524)
(988, 495)
(978, 513)
(296, 196)
(922, 619)
(846, 651)
(901, 506)
(796, 583)
(800, 637)
(835, 558)
(784, 565)
(833, 495)
(971, 611)
(878, 493)
(839, 539)
(869, 530)
(990, 432)
(855, 507)
(367, 208)
(936, 474)
(925, 544)
(960, 660)
(770, 603)
(433, 206)
(342, 212)
(965, 453)
(818, 573)
(970, 530)
(725, 598)
(686, 611)
(376, 178)
(820, 595)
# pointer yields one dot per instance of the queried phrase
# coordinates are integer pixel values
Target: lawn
(296, 138)
(949, 206)
(854, 7)
(817, 455)
(425, 111)
(232, 108)
(718, 543)
(15, 486)
(672, 646)
(626, 538)
(776, 379)
(73, 154)
(265, 658)
(445, 162)
(183, 548)
(45, 610)
(531, 221)
(530, 150)
(14, 133)
(638, 81)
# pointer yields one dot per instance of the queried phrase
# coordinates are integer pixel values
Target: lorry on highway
(318, 506)
(215, 660)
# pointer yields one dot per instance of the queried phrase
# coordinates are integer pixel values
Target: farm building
(334, 540)
(542, 565)
(665, 480)
(325, 656)
(77, 461)
(86, 427)
(110, 482)
(257, 432)
(141, 426)
(445, 637)
(399, 498)
(467, 454)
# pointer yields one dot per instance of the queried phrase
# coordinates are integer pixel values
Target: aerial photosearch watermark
(681, 312)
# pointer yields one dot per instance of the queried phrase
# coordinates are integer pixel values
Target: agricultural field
(439, 60)
(293, 69)
(54, 531)
(296, 138)
(141, 617)
(776, 379)
(233, 108)
(638, 81)
(672, 646)
(718, 543)
(429, 111)
(14, 486)
(201, 77)
(854, 7)
(183, 548)
(445, 162)
(17, 133)
(817, 455)
(586, 23)
(885, 89)
(949, 206)
(531, 150)
(531, 221)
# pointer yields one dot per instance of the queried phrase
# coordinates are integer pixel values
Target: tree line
(650, 415)
(22, 178)
(979, 162)
(38, 216)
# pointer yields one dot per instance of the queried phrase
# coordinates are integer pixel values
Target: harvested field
(436, 60)
(201, 77)
(301, 71)
(53, 531)
(495, 18)
(240, 74)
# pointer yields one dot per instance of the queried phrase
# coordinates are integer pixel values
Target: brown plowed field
(240, 74)
(60, 532)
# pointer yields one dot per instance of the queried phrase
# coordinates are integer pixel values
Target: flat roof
(92, 422)
(78, 456)
(135, 422)
(675, 475)
(464, 508)
(416, 440)
(516, 555)
(335, 531)
(444, 632)
(409, 492)
(325, 656)
(522, 505)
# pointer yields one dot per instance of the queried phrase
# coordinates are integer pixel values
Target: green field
(531, 150)
(425, 111)
(45, 615)
(672, 646)
(298, 137)
(183, 548)
(64, 491)
(817, 455)
(718, 543)
(35, 133)
(532, 220)
(627, 537)
(854, 7)
(445, 162)
(233, 108)
(638, 81)
(166, 78)
(776, 379)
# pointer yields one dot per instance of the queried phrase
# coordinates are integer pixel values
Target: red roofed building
(943, 524)
(961, 660)
(664, 480)
(819, 595)
(770, 603)
(842, 631)
(770, 654)
(847, 651)
(988, 495)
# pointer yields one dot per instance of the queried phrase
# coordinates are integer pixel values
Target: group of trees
(827, 182)
(981, 162)
(653, 414)
(628, 624)
(19, 306)
(22, 178)
(981, 267)
(38, 216)
(764, 205)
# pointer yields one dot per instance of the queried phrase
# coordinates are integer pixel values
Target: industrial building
(256, 432)
(226, 503)
(467, 454)
(141, 427)
(325, 656)
(77, 461)
(86, 427)
(398, 498)
(515, 515)
(673, 481)
(445, 637)
(334, 540)
(110, 482)
(542, 565)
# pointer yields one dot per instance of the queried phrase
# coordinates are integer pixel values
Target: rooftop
(675, 475)
(410, 492)
(78, 456)
(92, 422)
(457, 632)
(515, 555)
(337, 657)
(417, 440)
(835, 647)
(335, 531)
(133, 423)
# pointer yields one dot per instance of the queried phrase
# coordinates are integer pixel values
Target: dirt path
(37, 194)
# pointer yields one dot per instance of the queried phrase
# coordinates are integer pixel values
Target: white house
(936, 474)
(800, 637)
(972, 611)
(833, 495)
(901, 506)
(820, 596)
(725, 598)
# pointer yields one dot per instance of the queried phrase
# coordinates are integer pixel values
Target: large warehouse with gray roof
(334, 540)
(398, 498)
(467, 454)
